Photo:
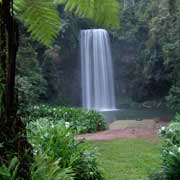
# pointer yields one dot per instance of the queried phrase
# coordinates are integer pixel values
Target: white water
(97, 71)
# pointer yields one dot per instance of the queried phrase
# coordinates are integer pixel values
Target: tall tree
(42, 21)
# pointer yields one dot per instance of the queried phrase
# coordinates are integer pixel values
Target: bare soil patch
(145, 129)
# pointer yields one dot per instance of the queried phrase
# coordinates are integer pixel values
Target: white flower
(171, 153)
(35, 152)
(67, 124)
(170, 130)
(164, 151)
(179, 149)
(36, 107)
(68, 134)
(162, 129)
(46, 135)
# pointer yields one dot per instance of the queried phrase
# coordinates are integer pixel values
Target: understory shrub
(9, 172)
(79, 119)
(46, 168)
(176, 118)
(55, 146)
(170, 152)
(174, 98)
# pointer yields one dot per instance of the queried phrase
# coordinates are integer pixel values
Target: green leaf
(40, 17)
(43, 22)
(4, 171)
(103, 12)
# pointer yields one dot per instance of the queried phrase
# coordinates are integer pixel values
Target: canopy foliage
(43, 22)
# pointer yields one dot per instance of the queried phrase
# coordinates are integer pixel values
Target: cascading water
(97, 71)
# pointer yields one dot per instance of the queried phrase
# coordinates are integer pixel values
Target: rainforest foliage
(35, 69)
(42, 22)
(145, 53)
(149, 39)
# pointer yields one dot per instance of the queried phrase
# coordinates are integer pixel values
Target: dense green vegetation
(148, 45)
(146, 48)
(42, 20)
(30, 82)
(145, 54)
(127, 159)
(54, 142)
(170, 152)
(82, 121)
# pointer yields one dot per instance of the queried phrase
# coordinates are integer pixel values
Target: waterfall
(96, 70)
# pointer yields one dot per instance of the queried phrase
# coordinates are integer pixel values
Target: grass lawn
(128, 159)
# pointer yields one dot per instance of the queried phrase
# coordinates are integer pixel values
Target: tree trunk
(12, 130)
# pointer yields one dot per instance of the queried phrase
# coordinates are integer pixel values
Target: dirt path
(146, 129)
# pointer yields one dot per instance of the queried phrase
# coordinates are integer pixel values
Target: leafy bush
(79, 119)
(10, 172)
(30, 83)
(57, 141)
(45, 168)
(170, 152)
(174, 98)
(177, 118)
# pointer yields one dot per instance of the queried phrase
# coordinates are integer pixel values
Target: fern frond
(104, 12)
(40, 17)
(42, 20)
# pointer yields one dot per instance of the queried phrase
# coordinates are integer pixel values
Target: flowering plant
(81, 120)
(56, 150)
(171, 150)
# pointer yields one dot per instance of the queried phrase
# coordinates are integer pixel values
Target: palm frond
(104, 12)
(40, 17)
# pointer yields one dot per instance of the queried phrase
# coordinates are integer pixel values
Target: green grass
(131, 159)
